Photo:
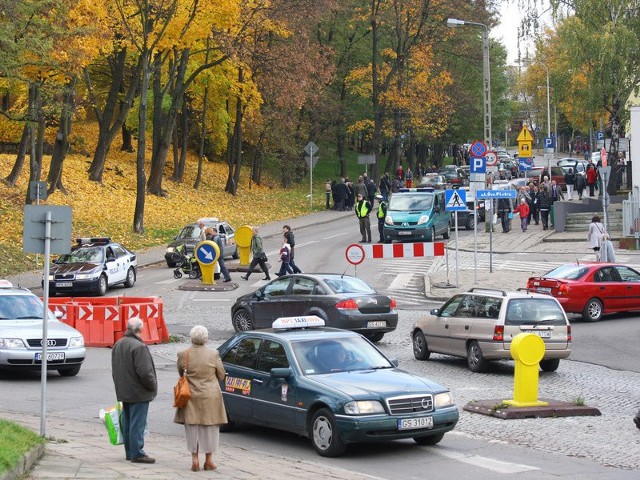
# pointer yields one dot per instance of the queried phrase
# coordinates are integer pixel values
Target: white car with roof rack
(21, 317)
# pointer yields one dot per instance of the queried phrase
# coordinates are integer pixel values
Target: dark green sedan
(332, 386)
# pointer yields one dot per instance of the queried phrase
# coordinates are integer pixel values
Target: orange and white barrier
(103, 321)
(403, 250)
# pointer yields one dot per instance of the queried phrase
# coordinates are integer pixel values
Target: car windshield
(190, 231)
(567, 272)
(521, 311)
(20, 307)
(340, 284)
(338, 355)
(83, 255)
(419, 202)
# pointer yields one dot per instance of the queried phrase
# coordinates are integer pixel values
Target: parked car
(591, 289)
(331, 386)
(342, 301)
(557, 174)
(480, 324)
(21, 317)
(190, 237)
(579, 166)
(416, 214)
(466, 219)
(454, 175)
(94, 265)
(433, 180)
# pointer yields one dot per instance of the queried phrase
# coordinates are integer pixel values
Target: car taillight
(569, 333)
(393, 304)
(498, 333)
(347, 305)
(563, 289)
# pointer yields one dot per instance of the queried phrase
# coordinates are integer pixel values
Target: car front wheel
(470, 223)
(446, 234)
(102, 285)
(374, 337)
(242, 321)
(592, 310)
(475, 360)
(420, 348)
(324, 434)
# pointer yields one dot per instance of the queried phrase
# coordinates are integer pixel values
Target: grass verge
(15, 441)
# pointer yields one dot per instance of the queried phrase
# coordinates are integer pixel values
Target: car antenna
(345, 271)
(577, 261)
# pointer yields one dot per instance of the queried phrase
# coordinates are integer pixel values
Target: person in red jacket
(523, 211)
(592, 178)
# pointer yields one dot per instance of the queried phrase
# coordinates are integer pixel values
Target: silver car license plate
(540, 333)
(414, 423)
(64, 284)
(405, 232)
(50, 356)
(543, 289)
(377, 324)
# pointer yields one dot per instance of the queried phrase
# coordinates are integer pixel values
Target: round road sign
(492, 159)
(207, 252)
(478, 149)
(355, 254)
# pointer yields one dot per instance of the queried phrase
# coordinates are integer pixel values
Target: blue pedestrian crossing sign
(456, 200)
(207, 252)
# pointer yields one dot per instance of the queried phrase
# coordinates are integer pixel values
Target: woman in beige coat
(204, 412)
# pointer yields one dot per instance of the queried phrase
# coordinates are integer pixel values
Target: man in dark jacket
(291, 240)
(385, 187)
(341, 195)
(544, 204)
(504, 209)
(363, 208)
(134, 376)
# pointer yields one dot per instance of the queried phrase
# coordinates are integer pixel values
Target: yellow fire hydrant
(527, 350)
(243, 240)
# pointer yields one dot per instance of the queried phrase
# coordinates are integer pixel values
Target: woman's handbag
(263, 257)
(510, 215)
(181, 392)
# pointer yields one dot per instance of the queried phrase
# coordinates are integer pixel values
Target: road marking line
(488, 463)
(334, 236)
(211, 300)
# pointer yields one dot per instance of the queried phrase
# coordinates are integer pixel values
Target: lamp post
(486, 77)
(526, 61)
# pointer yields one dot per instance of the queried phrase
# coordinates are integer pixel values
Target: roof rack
(93, 240)
(416, 189)
(481, 289)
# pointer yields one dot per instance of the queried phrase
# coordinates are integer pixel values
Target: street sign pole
(456, 224)
(311, 182)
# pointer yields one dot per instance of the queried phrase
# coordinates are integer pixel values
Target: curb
(25, 463)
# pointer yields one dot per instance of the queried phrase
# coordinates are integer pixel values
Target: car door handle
(602, 288)
(258, 381)
(466, 327)
(446, 326)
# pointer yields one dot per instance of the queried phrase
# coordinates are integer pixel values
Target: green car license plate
(415, 423)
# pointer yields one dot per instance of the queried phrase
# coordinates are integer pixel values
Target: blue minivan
(416, 215)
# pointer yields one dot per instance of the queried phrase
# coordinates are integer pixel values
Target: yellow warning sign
(525, 135)
(525, 149)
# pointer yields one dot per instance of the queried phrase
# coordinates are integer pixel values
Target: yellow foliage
(107, 209)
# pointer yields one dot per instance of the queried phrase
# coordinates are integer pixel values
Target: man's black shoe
(226, 280)
(267, 278)
(636, 420)
(144, 459)
(245, 277)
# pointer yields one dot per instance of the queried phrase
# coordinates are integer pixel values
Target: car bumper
(408, 234)
(26, 359)
(367, 323)
(501, 351)
(356, 429)
(77, 286)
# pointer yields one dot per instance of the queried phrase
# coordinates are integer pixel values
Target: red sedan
(591, 289)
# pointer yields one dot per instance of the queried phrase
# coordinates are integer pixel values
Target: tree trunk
(61, 146)
(127, 139)
(203, 135)
(35, 152)
(340, 132)
(12, 178)
(138, 215)
(108, 122)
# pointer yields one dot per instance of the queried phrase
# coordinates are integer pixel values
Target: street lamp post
(486, 77)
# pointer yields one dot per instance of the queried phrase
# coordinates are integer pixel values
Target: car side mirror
(259, 294)
(280, 372)
(435, 312)
(394, 362)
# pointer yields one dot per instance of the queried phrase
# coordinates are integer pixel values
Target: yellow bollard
(243, 237)
(207, 254)
(527, 350)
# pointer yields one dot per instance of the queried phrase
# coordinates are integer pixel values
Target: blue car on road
(330, 385)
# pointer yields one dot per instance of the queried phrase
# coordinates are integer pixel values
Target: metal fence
(631, 217)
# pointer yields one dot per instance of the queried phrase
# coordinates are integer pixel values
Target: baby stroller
(186, 264)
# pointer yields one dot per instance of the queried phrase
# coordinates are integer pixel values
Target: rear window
(190, 231)
(339, 284)
(567, 272)
(525, 311)
(411, 201)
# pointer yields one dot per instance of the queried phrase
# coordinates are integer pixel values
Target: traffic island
(554, 408)
(198, 286)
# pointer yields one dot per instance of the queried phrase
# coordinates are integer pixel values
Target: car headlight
(170, 249)
(423, 219)
(51, 278)
(76, 342)
(442, 400)
(87, 276)
(11, 343)
(388, 220)
(363, 407)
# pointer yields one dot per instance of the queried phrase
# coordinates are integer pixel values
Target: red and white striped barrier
(404, 250)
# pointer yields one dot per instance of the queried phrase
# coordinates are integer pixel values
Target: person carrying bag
(181, 392)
